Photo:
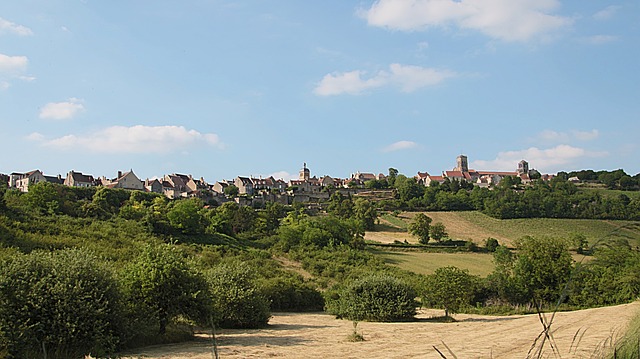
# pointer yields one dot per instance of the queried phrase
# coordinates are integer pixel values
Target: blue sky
(226, 88)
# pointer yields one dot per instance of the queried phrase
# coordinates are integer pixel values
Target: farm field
(316, 335)
(426, 263)
(477, 227)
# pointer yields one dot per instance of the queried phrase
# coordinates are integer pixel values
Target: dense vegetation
(557, 198)
(141, 269)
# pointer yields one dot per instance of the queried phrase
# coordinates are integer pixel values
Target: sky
(221, 88)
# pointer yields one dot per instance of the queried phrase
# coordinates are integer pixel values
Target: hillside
(477, 227)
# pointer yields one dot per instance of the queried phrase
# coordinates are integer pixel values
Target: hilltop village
(247, 190)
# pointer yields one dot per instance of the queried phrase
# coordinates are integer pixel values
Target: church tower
(462, 164)
(305, 174)
(523, 167)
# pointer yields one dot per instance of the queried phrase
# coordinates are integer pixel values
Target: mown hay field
(579, 334)
(477, 227)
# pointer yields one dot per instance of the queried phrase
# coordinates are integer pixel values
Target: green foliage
(365, 212)
(438, 231)
(612, 277)
(187, 216)
(58, 305)
(231, 191)
(162, 285)
(237, 301)
(450, 288)
(420, 227)
(44, 197)
(542, 267)
(291, 294)
(491, 244)
(318, 232)
(378, 297)
(231, 219)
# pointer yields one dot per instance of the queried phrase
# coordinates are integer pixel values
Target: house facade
(78, 179)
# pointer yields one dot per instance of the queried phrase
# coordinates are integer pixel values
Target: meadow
(477, 227)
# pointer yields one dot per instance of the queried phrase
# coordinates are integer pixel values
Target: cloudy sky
(221, 88)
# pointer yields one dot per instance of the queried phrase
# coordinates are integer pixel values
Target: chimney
(119, 174)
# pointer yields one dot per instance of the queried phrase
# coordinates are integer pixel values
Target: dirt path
(321, 336)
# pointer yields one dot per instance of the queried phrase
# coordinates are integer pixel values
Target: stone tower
(523, 167)
(305, 174)
(462, 164)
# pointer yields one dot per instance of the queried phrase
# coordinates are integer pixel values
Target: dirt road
(578, 334)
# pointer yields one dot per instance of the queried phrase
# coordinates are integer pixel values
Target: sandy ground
(315, 335)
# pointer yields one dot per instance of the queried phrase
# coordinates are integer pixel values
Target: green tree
(231, 191)
(438, 231)
(161, 283)
(340, 205)
(365, 212)
(391, 178)
(408, 188)
(542, 267)
(237, 301)
(450, 288)
(44, 197)
(420, 227)
(186, 216)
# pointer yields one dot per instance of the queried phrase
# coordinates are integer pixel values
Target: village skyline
(221, 88)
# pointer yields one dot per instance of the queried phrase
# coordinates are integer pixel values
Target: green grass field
(477, 227)
(426, 263)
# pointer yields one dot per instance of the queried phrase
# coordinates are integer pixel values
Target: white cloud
(62, 110)
(8, 26)
(400, 145)
(35, 136)
(508, 20)
(586, 135)
(135, 139)
(12, 67)
(561, 157)
(606, 13)
(13, 64)
(549, 136)
(408, 78)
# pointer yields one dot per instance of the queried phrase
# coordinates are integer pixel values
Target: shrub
(491, 244)
(378, 297)
(289, 294)
(162, 285)
(237, 302)
(60, 305)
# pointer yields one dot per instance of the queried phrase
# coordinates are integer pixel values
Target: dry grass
(319, 335)
(477, 227)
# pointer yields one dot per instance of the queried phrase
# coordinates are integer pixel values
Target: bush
(60, 305)
(237, 302)
(161, 285)
(289, 294)
(377, 298)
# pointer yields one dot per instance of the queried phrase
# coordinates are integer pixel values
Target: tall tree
(365, 212)
(420, 226)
